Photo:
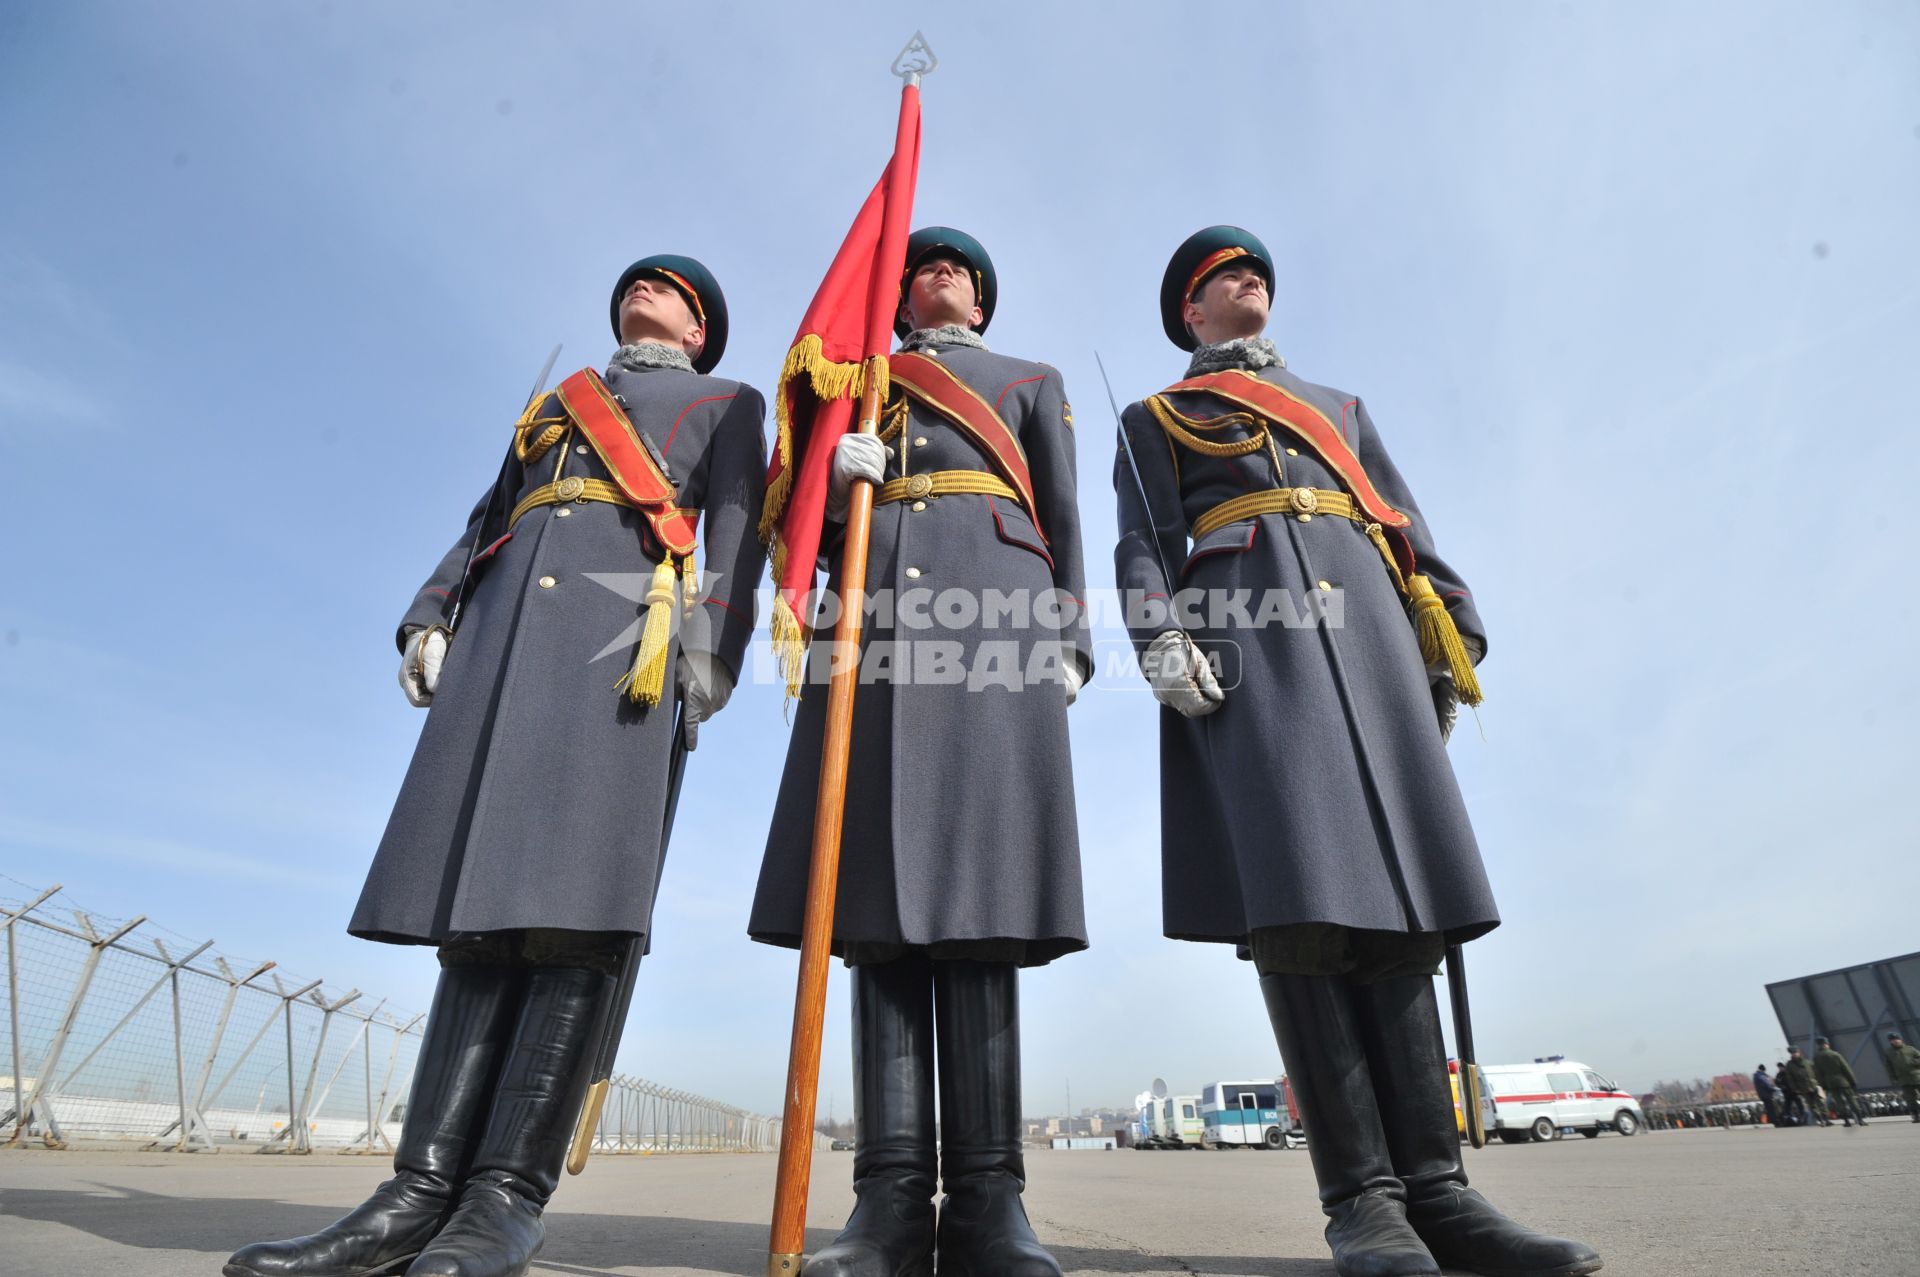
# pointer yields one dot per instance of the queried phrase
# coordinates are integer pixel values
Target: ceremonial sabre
(493, 500)
(602, 1075)
(1140, 484)
(1463, 1046)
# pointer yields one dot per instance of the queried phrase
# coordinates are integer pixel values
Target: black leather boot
(1400, 1025)
(1365, 1203)
(890, 1233)
(468, 1028)
(496, 1229)
(983, 1230)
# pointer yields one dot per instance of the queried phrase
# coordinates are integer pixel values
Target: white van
(1555, 1096)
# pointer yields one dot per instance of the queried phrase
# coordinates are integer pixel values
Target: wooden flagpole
(788, 1242)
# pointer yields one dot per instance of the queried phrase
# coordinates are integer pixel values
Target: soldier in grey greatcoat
(526, 841)
(1308, 810)
(960, 856)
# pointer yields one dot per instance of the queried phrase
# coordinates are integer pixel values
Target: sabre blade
(1133, 465)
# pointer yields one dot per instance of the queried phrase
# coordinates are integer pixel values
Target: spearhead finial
(915, 60)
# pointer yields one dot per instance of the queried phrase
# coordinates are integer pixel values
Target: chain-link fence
(123, 1031)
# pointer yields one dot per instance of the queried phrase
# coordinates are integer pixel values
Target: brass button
(1325, 586)
(919, 485)
(562, 512)
(921, 442)
(919, 505)
(1304, 500)
(1304, 518)
(570, 487)
(1293, 452)
(580, 448)
(913, 573)
(546, 583)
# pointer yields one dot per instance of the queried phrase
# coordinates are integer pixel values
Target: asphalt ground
(1750, 1201)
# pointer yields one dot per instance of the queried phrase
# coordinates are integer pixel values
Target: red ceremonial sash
(934, 384)
(593, 408)
(1245, 390)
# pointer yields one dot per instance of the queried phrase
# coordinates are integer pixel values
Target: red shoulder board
(600, 417)
(934, 384)
(1245, 390)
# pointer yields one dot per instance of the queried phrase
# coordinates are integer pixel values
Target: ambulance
(1555, 1096)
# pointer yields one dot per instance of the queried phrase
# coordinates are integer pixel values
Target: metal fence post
(386, 1081)
(37, 1099)
(13, 989)
(194, 1128)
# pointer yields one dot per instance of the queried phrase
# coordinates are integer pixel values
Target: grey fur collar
(1251, 353)
(648, 354)
(945, 335)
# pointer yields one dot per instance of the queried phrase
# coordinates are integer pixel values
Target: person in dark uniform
(1803, 1094)
(1836, 1076)
(526, 842)
(1903, 1067)
(1308, 809)
(1769, 1093)
(960, 854)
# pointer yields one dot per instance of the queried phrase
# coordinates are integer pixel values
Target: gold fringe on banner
(1440, 638)
(828, 381)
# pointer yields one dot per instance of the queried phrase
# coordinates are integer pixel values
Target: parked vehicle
(1555, 1096)
(1249, 1115)
(1488, 1115)
(1181, 1122)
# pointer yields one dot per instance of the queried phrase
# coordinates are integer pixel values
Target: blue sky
(1631, 293)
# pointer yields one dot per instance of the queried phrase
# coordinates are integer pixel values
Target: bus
(1248, 1115)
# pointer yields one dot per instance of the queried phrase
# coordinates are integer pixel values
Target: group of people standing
(1309, 813)
(1813, 1092)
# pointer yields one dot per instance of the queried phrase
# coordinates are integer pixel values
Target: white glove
(1446, 701)
(1071, 668)
(705, 687)
(1181, 677)
(420, 664)
(856, 456)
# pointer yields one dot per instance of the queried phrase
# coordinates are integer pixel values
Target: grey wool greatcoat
(536, 791)
(1320, 792)
(960, 823)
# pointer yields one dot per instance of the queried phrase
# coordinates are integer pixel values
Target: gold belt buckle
(570, 488)
(919, 485)
(1304, 501)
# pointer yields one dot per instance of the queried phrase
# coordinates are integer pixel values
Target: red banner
(842, 341)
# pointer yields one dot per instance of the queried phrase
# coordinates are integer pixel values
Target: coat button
(546, 583)
(919, 505)
(921, 442)
(563, 512)
(580, 448)
(1293, 452)
(1325, 586)
(913, 573)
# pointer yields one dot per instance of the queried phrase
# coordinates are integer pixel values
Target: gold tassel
(1440, 638)
(644, 683)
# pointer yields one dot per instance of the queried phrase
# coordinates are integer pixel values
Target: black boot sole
(1580, 1269)
(391, 1266)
